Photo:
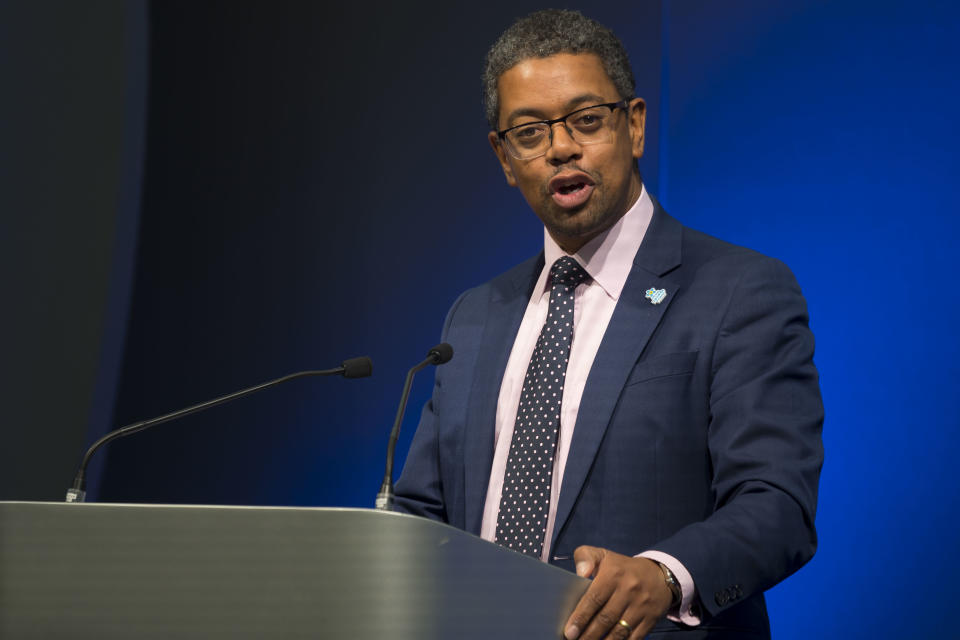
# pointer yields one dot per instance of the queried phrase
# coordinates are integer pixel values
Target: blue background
(296, 185)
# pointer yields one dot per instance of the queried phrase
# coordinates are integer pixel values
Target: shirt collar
(608, 258)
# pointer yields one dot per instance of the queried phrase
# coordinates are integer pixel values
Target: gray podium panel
(157, 571)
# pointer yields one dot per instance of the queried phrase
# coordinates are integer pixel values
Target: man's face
(577, 191)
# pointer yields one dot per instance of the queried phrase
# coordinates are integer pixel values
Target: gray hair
(546, 33)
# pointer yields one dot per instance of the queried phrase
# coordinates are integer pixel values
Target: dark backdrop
(73, 80)
(316, 184)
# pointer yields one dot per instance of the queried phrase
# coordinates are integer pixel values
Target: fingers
(623, 630)
(598, 594)
(606, 622)
(623, 590)
(595, 611)
(641, 623)
(631, 624)
(587, 559)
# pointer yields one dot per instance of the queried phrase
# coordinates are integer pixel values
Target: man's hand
(625, 589)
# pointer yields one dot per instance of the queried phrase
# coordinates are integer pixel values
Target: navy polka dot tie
(525, 500)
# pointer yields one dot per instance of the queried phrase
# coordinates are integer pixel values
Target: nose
(563, 147)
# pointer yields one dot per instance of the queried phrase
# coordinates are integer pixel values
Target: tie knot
(567, 271)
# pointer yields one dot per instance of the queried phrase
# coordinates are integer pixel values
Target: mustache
(574, 167)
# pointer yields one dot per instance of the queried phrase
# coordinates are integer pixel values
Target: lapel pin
(656, 296)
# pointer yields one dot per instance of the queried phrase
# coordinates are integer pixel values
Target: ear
(636, 119)
(502, 157)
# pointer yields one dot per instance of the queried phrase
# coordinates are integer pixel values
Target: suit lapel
(633, 322)
(508, 302)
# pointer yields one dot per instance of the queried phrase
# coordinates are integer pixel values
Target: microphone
(440, 354)
(352, 368)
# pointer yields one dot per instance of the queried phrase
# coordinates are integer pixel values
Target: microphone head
(357, 367)
(441, 353)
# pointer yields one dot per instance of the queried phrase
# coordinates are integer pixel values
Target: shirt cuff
(684, 613)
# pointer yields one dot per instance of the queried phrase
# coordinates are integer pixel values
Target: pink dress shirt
(608, 259)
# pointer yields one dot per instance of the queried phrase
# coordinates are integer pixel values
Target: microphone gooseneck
(352, 368)
(440, 354)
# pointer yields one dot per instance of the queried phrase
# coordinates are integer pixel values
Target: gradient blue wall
(317, 185)
(824, 133)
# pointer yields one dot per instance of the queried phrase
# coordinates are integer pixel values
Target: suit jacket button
(720, 597)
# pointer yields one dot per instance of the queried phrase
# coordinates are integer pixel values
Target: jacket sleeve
(764, 440)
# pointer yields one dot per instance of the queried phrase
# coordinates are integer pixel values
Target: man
(665, 440)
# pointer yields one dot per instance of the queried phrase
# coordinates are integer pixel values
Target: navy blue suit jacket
(699, 432)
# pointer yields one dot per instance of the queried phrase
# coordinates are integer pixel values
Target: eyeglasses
(590, 125)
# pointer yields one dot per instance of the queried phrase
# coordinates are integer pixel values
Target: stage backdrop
(316, 184)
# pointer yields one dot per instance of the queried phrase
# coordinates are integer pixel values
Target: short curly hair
(546, 33)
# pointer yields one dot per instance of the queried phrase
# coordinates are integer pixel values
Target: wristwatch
(672, 584)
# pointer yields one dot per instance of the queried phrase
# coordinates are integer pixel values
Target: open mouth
(571, 190)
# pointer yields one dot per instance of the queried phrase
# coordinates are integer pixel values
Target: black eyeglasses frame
(622, 104)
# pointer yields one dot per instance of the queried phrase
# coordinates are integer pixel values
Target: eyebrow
(570, 105)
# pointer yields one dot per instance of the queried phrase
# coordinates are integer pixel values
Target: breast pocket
(663, 366)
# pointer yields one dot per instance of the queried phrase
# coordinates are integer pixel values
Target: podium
(171, 571)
